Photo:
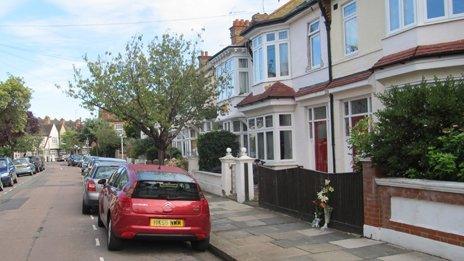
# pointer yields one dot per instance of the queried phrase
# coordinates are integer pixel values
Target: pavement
(41, 219)
(246, 232)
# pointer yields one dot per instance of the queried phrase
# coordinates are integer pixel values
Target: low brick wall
(423, 215)
(209, 181)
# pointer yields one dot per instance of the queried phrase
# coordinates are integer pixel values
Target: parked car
(102, 170)
(24, 166)
(75, 160)
(95, 160)
(38, 162)
(161, 202)
(8, 174)
(85, 162)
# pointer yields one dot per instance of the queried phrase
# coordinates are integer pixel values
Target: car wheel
(11, 182)
(31, 173)
(85, 208)
(99, 221)
(114, 243)
(200, 245)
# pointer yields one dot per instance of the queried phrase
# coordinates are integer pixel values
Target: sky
(42, 40)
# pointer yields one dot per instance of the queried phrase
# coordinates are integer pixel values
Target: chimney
(47, 120)
(236, 29)
(203, 58)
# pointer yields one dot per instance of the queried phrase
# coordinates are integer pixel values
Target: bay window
(270, 56)
(263, 134)
(350, 25)
(225, 72)
(402, 13)
(315, 56)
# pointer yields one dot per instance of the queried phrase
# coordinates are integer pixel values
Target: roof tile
(277, 90)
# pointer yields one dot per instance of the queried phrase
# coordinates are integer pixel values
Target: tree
(70, 140)
(212, 146)
(158, 89)
(14, 117)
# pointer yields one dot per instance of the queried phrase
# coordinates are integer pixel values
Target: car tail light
(91, 186)
(125, 202)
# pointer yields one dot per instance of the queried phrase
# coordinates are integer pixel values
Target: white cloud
(6, 6)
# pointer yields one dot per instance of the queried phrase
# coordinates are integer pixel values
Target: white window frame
(312, 120)
(311, 36)
(447, 15)
(241, 70)
(401, 17)
(345, 20)
(349, 115)
(260, 43)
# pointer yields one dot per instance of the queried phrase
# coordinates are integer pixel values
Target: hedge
(212, 146)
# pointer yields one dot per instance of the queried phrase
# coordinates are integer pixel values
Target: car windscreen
(20, 161)
(172, 186)
(104, 172)
(2, 163)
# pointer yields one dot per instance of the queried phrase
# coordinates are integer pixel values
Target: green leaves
(212, 146)
(158, 88)
(414, 136)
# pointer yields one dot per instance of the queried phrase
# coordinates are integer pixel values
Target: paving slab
(245, 232)
(355, 242)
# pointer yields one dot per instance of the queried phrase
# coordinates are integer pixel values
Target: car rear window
(104, 172)
(160, 185)
(2, 163)
(21, 161)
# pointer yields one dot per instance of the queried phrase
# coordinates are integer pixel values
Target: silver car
(102, 170)
(24, 166)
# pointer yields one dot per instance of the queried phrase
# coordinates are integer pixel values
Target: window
(271, 61)
(243, 79)
(270, 145)
(252, 145)
(268, 120)
(356, 110)
(286, 144)
(458, 6)
(315, 45)
(236, 126)
(261, 145)
(350, 24)
(224, 72)
(437, 9)
(316, 115)
(274, 51)
(402, 13)
(285, 120)
(259, 122)
(251, 124)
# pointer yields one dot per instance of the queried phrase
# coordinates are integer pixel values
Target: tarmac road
(41, 219)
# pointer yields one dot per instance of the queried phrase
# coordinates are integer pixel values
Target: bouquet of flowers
(322, 204)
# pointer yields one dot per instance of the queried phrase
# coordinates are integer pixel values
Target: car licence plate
(154, 222)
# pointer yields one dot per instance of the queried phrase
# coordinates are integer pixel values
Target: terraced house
(304, 75)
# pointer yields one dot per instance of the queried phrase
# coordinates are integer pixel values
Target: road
(41, 219)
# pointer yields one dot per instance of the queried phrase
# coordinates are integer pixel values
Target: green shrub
(212, 146)
(417, 134)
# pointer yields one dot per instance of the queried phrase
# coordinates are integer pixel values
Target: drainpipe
(329, 57)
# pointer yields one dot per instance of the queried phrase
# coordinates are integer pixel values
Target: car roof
(108, 163)
(155, 167)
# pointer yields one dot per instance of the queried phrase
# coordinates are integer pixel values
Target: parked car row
(136, 201)
(10, 169)
(74, 160)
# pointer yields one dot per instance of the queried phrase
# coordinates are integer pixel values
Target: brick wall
(377, 206)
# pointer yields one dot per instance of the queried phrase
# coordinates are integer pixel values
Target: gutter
(329, 54)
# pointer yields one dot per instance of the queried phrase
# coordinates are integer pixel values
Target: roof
(352, 78)
(281, 15)
(276, 91)
(421, 51)
(45, 129)
(224, 49)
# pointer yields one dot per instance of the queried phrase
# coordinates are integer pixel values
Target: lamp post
(122, 144)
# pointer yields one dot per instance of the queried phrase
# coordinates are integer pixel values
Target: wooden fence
(293, 190)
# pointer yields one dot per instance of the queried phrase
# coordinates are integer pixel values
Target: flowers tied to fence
(322, 204)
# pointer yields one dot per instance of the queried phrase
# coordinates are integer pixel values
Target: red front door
(320, 138)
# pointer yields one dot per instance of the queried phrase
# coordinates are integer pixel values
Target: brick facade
(377, 206)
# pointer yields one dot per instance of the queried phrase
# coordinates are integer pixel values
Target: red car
(152, 201)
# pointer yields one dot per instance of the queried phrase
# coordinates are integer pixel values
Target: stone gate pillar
(243, 165)
(227, 163)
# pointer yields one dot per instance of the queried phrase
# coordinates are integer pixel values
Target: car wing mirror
(102, 181)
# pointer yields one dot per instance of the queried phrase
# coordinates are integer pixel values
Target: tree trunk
(161, 156)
